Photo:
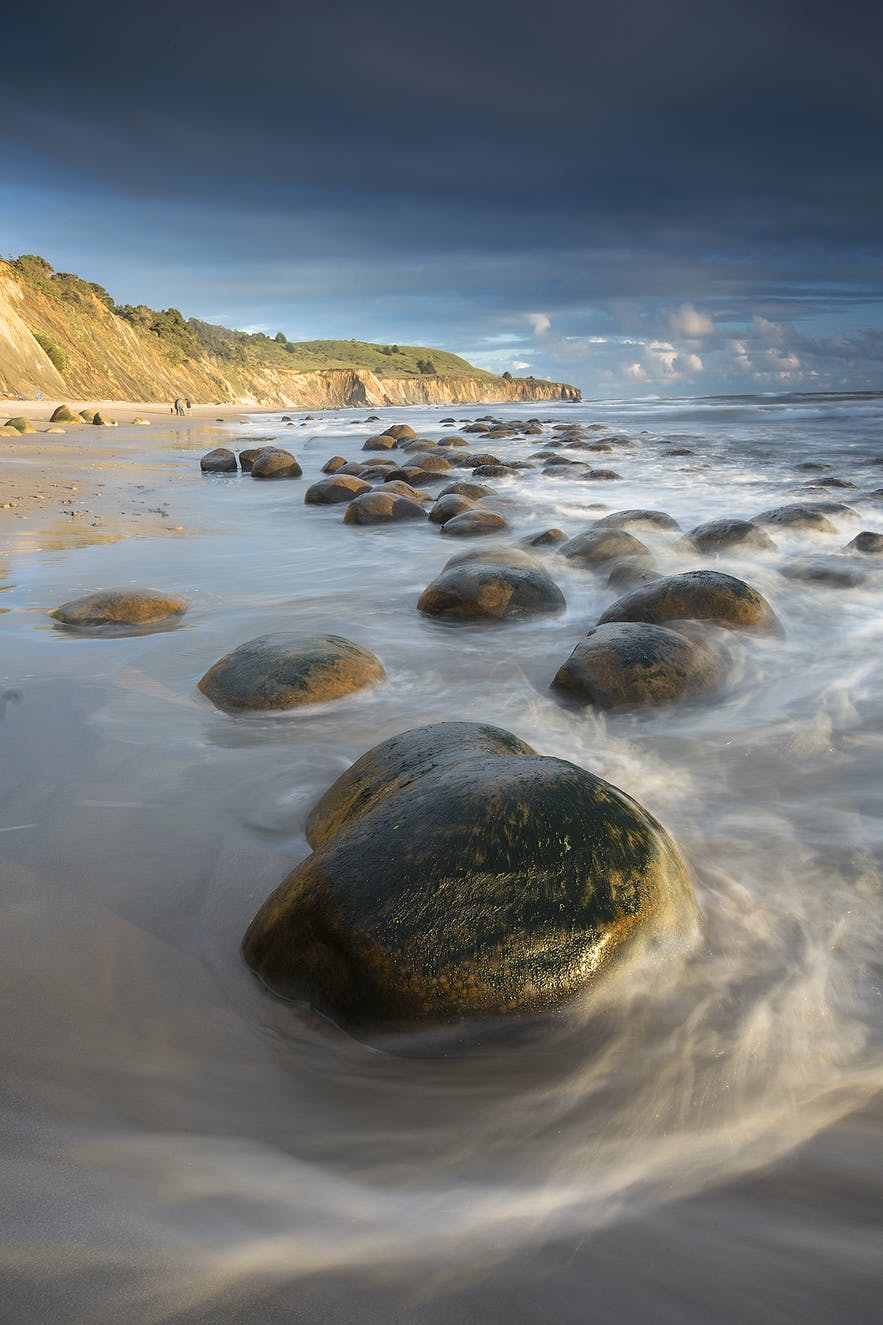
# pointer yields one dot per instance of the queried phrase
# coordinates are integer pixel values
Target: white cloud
(520, 363)
(689, 323)
(540, 323)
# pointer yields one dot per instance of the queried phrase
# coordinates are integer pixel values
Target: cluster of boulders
(453, 870)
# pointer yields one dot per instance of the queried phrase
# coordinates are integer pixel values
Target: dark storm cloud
(605, 162)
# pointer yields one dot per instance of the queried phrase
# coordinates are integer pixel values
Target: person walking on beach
(187, 403)
(179, 406)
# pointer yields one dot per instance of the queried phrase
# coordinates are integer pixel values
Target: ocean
(690, 1142)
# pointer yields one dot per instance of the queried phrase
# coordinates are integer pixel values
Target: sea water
(687, 1143)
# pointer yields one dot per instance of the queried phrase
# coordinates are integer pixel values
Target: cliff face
(65, 338)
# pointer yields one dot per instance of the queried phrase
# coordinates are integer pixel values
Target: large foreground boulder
(634, 663)
(116, 610)
(471, 878)
(491, 591)
(21, 425)
(283, 671)
(699, 595)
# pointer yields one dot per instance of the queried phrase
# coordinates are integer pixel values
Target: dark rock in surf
(637, 519)
(720, 535)
(332, 491)
(274, 463)
(491, 591)
(284, 671)
(113, 611)
(869, 543)
(700, 595)
(636, 663)
(382, 507)
(474, 524)
(219, 461)
(477, 883)
(598, 547)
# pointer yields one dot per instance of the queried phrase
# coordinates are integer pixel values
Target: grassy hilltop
(66, 336)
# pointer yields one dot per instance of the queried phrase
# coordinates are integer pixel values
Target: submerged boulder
(462, 874)
(637, 519)
(491, 591)
(797, 517)
(284, 671)
(636, 663)
(867, 542)
(114, 610)
(831, 574)
(219, 461)
(699, 595)
(275, 463)
(331, 491)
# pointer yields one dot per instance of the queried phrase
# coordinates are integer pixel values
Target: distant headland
(65, 336)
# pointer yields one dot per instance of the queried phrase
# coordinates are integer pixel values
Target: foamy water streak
(180, 1144)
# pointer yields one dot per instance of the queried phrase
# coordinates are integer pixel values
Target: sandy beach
(88, 482)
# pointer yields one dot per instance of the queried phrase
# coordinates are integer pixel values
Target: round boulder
(491, 591)
(464, 488)
(334, 464)
(383, 442)
(275, 463)
(64, 414)
(113, 611)
(471, 524)
(634, 663)
(445, 508)
(827, 573)
(545, 538)
(21, 425)
(382, 507)
(219, 461)
(797, 517)
(502, 884)
(400, 432)
(331, 491)
(394, 764)
(637, 519)
(869, 543)
(699, 595)
(284, 671)
(719, 535)
(597, 547)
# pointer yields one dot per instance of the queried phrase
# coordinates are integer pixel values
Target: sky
(674, 197)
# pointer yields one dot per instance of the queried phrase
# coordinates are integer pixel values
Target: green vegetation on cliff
(63, 333)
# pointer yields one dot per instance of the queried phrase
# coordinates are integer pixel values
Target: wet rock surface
(115, 610)
(637, 663)
(491, 591)
(285, 670)
(703, 595)
(486, 882)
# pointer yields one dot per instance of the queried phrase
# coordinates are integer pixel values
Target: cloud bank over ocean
(677, 199)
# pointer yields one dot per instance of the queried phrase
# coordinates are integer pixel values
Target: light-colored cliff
(63, 336)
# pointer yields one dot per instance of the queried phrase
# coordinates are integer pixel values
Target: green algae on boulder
(64, 414)
(20, 424)
(113, 611)
(635, 663)
(283, 671)
(491, 591)
(699, 595)
(482, 881)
